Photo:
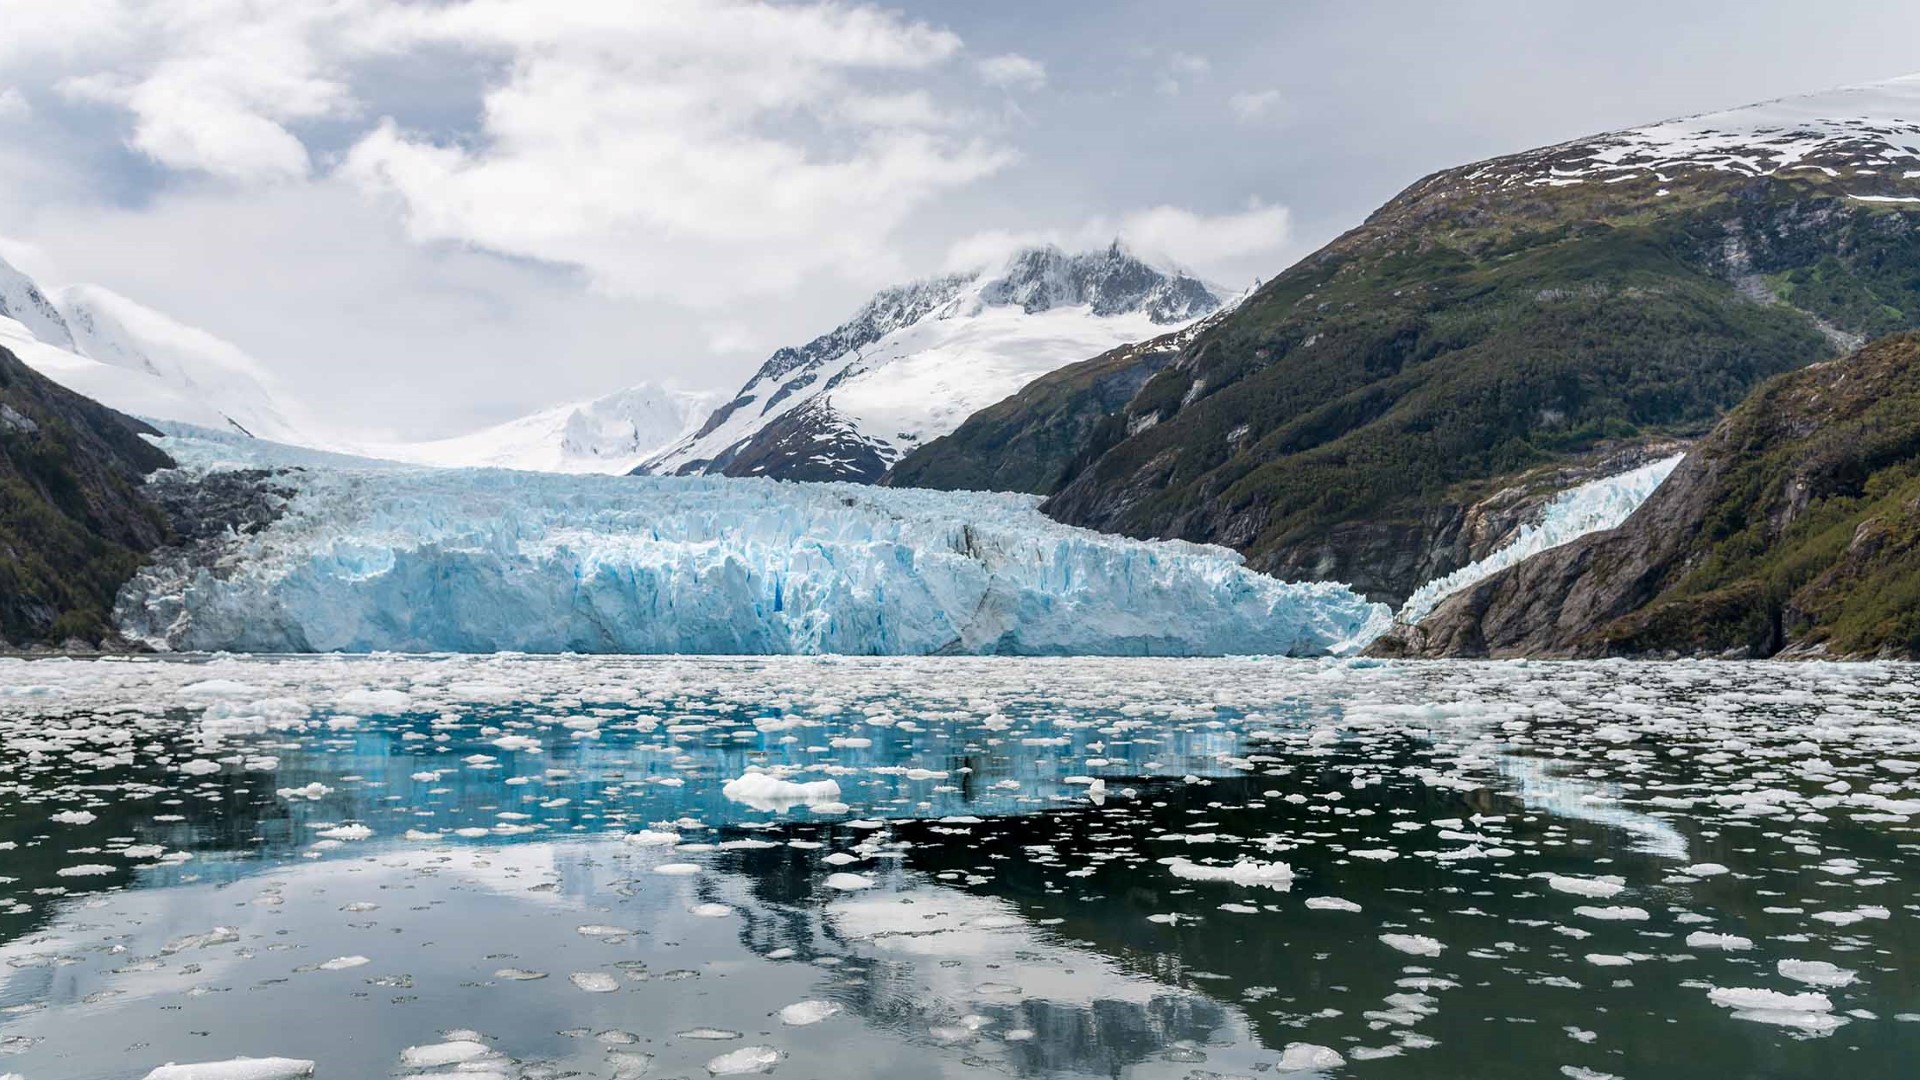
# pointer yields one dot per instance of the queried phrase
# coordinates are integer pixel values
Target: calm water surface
(509, 867)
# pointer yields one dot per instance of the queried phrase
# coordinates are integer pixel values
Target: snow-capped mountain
(611, 434)
(1871, 130)
(22, 301)
(128, 356)
(918, 359)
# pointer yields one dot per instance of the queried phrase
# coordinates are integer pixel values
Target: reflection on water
(1497, 870)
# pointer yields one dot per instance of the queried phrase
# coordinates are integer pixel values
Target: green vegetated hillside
(1488, 320)
(1793, 528)
(74, 525)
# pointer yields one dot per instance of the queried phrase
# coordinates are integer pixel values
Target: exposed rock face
(1794, 528)
(74, 523)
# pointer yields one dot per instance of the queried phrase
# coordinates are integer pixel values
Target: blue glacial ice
(1588, 508)
(371, 557)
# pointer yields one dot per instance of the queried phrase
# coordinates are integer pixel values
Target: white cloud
(1222, 247)
(1257, 106)
(13, 104)
(697, 150)
(1012, 72)
(1180, 70)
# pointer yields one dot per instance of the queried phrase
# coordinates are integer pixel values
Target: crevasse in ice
(371, 558)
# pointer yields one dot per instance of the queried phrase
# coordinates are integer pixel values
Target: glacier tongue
(1590, 507)
(368, 558)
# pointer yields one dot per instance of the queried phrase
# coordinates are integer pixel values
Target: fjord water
(538, 867)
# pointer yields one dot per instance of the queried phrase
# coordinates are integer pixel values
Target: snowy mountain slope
(1868, 130)
(135, 393)
(372, 557)
(22, 300)
(611, 434)
(136, 360)
(919, 359)
(114, 330)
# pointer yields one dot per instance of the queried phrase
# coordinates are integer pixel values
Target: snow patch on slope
(1872, 127)
(1590, 507)
(471, 560)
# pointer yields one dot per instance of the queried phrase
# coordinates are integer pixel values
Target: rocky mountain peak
(1112, 281)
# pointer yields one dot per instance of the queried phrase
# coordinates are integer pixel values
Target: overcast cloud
(425, 216)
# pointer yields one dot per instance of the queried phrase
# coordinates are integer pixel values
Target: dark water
(1446, 870)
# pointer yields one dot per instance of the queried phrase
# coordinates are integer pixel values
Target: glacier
(1585, 508)
(368, 556)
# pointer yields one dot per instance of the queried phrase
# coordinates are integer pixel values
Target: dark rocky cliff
(74, 522)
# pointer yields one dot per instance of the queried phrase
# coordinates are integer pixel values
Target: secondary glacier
(366, 557)
(1588, 508)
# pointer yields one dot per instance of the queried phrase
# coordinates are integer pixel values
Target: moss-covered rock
(74, 525)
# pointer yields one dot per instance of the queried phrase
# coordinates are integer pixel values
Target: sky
(424, 216)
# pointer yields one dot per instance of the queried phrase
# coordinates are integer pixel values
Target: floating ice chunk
(1702, 939)
(74, 817)
(1581, 1072)
(653, 838)
(519, 974)
(802, 1013)
(1597, 887)
(677, 869)
(1706, 869)
(711, 911)
(1416, 944)
(1808, 1012)
(747, 1059)
(846, 882)
(1620, 913)
(441, 1055)
(87, 870)
(1817, 973)
(342, 963)
(346, 832)
(594, 982)
(1608, 960)
(1300, 1056)
(521, 743)
(1272, 875)
(1331, 903)
(269, 1068)
(315, 790)
(764, 791)
(199, 767)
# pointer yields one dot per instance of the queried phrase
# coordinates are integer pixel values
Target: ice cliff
(363, 558)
